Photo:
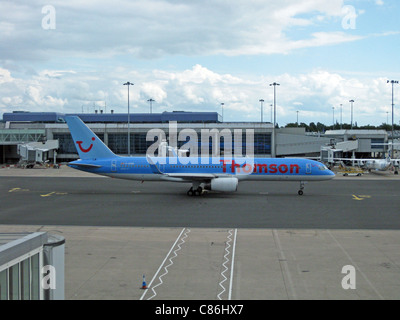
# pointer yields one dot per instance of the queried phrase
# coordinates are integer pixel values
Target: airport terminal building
(25, 127)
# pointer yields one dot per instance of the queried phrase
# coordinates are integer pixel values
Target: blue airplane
(213, 174)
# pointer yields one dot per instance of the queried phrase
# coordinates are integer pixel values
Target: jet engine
(223, 185)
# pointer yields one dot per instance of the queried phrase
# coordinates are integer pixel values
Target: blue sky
(69, 56)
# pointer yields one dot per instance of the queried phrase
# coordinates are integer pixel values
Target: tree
(313, 127)
(320, 127)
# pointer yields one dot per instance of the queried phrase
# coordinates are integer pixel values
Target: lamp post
(333, 118)
(351, 101)
(297, 118)
(392, 82)
(341, 120)
(129, 133)
(261, 100)
(271, 105)
(274, 144)
(222, 107)
(274, 84)
(151, 104)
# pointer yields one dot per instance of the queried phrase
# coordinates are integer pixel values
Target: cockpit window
(322, 167)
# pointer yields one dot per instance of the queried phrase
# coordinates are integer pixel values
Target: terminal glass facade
(377, 143)
(66, 144)
(262, 143)
(140, 144)
(118, 143)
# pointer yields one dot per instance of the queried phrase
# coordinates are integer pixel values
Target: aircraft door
(114, 166)
(308, 168)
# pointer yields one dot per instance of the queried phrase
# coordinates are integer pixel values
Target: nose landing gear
(301, 192)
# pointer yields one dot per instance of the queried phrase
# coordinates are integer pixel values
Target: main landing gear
(301, 192)
(195, 191)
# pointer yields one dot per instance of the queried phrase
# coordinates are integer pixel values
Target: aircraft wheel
(190, 192)
(300, 192)
(199, 191)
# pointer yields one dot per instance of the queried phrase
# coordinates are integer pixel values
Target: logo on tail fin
(79, 143)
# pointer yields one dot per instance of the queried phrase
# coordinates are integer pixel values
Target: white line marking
(170, 263)
(228, 245)
(232, 265)
(165, 259)
(227, 253)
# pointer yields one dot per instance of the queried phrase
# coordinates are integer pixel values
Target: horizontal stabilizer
(85, 165)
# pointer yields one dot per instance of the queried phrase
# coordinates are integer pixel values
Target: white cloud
(154, 90)
(55, 73)
(319, 39)
(155, 28)
(313, 94)
(5, 76)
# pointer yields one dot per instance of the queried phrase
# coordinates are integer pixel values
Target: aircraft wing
(355, 160)
(183, 175)
(384, 144)
(192, 176)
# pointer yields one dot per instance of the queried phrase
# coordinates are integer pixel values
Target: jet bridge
(36, 152)
(329, 153)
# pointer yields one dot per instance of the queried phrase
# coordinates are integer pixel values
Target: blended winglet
(152, 165)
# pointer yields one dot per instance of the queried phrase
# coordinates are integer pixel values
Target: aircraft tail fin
(87, 143)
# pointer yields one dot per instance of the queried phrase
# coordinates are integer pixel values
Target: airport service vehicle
(373, 164)
(214, 174)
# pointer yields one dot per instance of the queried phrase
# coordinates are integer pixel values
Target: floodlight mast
(351, 101)
(129, 133)
(393, 82)
(151, 104)
(274, 144)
